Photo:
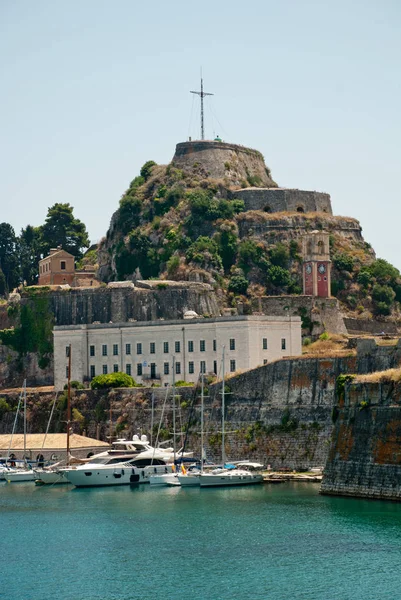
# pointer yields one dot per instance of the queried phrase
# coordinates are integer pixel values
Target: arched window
(320, 246)
(300, 209)
(309, 247)
(267, 209)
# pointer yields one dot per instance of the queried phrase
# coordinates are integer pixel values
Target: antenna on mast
(202, 94)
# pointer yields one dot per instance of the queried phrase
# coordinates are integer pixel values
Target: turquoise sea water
(272, 542)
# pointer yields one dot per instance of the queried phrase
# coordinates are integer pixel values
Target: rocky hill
(215, 215)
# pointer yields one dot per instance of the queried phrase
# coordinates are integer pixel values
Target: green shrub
(341, 382)
(381, 308)
(324, 336)
(238, 284)
(182, 383)
(113, 380)
(135, 184)
(4, 407)
(279, 256)
(204, 252)
(129, 213)
(364, 278)
(307, 341)
(384, 272)
(343, 262)
(146, 170)
(279, 276)
(383, 293)
(76, 385)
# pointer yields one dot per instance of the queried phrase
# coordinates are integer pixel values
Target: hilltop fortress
(239, 166)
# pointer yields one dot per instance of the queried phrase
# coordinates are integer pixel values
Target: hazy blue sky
(91, 89)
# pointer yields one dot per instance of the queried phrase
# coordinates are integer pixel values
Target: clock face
(322, 268)
(308, 269)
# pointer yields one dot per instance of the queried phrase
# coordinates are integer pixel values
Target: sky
(92, 89)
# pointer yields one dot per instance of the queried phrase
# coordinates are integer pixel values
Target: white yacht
(50, 475)
(229, 477)
(15, 475)
(140, 446)
(116, 470)
(189, 479)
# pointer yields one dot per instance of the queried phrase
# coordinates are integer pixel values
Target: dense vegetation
(177, 225)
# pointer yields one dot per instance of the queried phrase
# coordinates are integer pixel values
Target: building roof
(53, 442)
(58, 254)
(183, 322)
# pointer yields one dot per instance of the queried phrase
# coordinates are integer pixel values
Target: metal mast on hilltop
(202, 94)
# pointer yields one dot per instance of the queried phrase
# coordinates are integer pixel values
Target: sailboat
(27, 474)
(192, 478)
(54, 474)
(171, 478)
(227, 477)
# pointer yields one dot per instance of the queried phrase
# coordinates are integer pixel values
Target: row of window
(152, 347)
(46, 267)
(166, 368)
(166, 346)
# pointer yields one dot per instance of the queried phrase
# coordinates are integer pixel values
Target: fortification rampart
(233, 163)
(105, 305)
(279, 227)
(280, 199)
(318, 314)
(365, 455)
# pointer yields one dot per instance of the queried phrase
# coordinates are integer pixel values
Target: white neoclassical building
(147, 350)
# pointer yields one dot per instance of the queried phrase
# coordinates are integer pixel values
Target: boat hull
(49, 477)
(101, 477)
(15, 476)
(189, 480)
(163, 479)
(229, 480)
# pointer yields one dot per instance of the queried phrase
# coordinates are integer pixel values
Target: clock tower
(316, 264)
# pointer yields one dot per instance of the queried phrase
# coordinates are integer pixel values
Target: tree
(61, 228)
(9, 256)
(238, 284)
(29, 254)
(146, 170)
(343, 262)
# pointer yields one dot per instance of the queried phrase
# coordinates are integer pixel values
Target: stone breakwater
(365, 454)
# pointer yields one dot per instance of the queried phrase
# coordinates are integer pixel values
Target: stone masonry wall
(365, 453)
(79, 306)
(322, 313)
(231, 162)
(280, 199)
(276, 227)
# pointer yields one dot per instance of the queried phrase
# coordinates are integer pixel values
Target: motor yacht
(116, 470)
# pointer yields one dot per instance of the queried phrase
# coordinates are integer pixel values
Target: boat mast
(25, 420)
(174, 407)
(68, 404)
(223, 409)
(152, 419)
(202, 398)
(111, 424)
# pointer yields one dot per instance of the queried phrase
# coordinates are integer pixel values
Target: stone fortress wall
(282, 199)
(223, 161)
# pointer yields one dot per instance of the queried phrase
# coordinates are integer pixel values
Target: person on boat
(40, 459)
(12, 459)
